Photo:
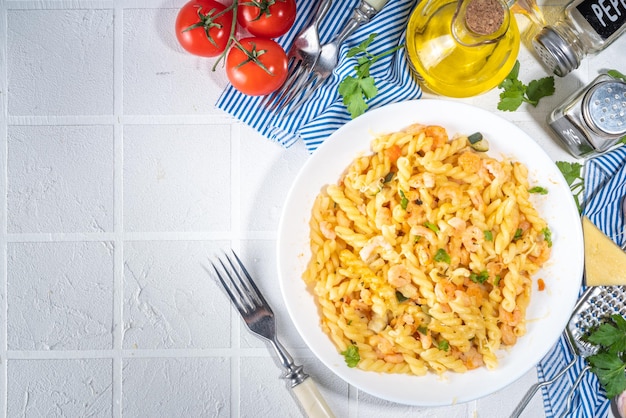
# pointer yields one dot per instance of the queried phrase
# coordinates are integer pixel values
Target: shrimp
(438, 134)
(426, 340)
(384, 349)
(327, 230)
(415, 129)
(399, 276)
(470, 162)
(510, 318)
(424, 180)
(369, 252)
(422, 231)
(444, 291)
(457, 223)
(472, 358)
(491, 170)
(473, 238)
(508, 336)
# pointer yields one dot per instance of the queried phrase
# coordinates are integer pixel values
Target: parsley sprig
(574, 179)
(356, 90)
(609, 364)
(516, 92)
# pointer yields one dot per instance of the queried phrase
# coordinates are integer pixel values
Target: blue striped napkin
(324, 112)
(605, 185)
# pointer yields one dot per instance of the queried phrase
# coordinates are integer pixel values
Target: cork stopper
(484, 17)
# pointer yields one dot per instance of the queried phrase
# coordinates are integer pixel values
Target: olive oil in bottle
(462, 48)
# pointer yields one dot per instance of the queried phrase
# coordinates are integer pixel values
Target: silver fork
(259, 318)
(329, 55)
(304, 51)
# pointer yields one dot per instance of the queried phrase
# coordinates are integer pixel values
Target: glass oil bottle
(462, 48)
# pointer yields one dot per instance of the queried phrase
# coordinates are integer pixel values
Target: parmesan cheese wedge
(605, 261)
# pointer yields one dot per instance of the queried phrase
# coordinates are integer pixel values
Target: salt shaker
(586, 28)
(593, 119)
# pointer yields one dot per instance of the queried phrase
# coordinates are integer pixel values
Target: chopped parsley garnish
(496, 280)
(443, 345)
(547, 235)
(351, 355)
(518, 234)
(442, 255)
(488, 235)
(480, 277)
(404, 202)
(538, 189)
(609, 364)
(432, 227)
(401, 298)
(388, 177)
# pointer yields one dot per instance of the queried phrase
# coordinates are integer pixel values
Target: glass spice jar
(593, 119)
(585, 28)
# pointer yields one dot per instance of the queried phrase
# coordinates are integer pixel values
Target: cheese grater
(595, 307)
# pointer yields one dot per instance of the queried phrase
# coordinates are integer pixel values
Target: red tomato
(198, 29)
(259, 69)
(267, 18)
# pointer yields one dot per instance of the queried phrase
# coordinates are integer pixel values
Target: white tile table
(118, 177)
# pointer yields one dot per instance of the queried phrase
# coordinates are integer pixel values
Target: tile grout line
(118, 211)
(4, 208)
(235, 357)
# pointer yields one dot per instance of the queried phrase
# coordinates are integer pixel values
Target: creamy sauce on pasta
(423, 254)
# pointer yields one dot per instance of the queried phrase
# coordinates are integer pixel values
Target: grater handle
(572, 391)
(534, 388)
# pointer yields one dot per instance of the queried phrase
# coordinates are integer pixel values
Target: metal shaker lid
(604, 108)
(555, 52)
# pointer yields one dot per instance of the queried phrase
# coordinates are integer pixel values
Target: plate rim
(349, 375)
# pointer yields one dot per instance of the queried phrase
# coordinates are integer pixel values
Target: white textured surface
(119, 179)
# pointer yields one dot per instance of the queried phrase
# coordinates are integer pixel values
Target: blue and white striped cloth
(324, 112)
(605, 185)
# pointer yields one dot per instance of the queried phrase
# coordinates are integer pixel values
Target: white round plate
(549, 310)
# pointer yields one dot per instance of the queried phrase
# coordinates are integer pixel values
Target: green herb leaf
(538, 89)
(547, 235)
(608, 363)
(432, 227)
(518, 234)
(573, 177)
(617, 75)
(442, 256)
(480, 277)
(611, 372)
(355, 91)
(404, 202)
(538, 189)
(515, 92)
(351, 355)
(488, 235)
(443, 345)
(400, 297)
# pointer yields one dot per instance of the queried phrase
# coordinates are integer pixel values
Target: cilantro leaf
(443, 345)
(538, 189)
(480, 277)
(547, 235)
(611, 372)
(515, 92)
(442, 256)
(572, 174)
(488, 235)
(538, 89)
(351, 355)
(355, 91)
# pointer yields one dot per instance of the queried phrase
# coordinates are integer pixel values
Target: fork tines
(237, 282)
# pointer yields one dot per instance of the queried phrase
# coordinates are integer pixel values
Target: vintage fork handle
(534, 388)
(363, 13)
(322, 9)
(311, 400)
(302, 384)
